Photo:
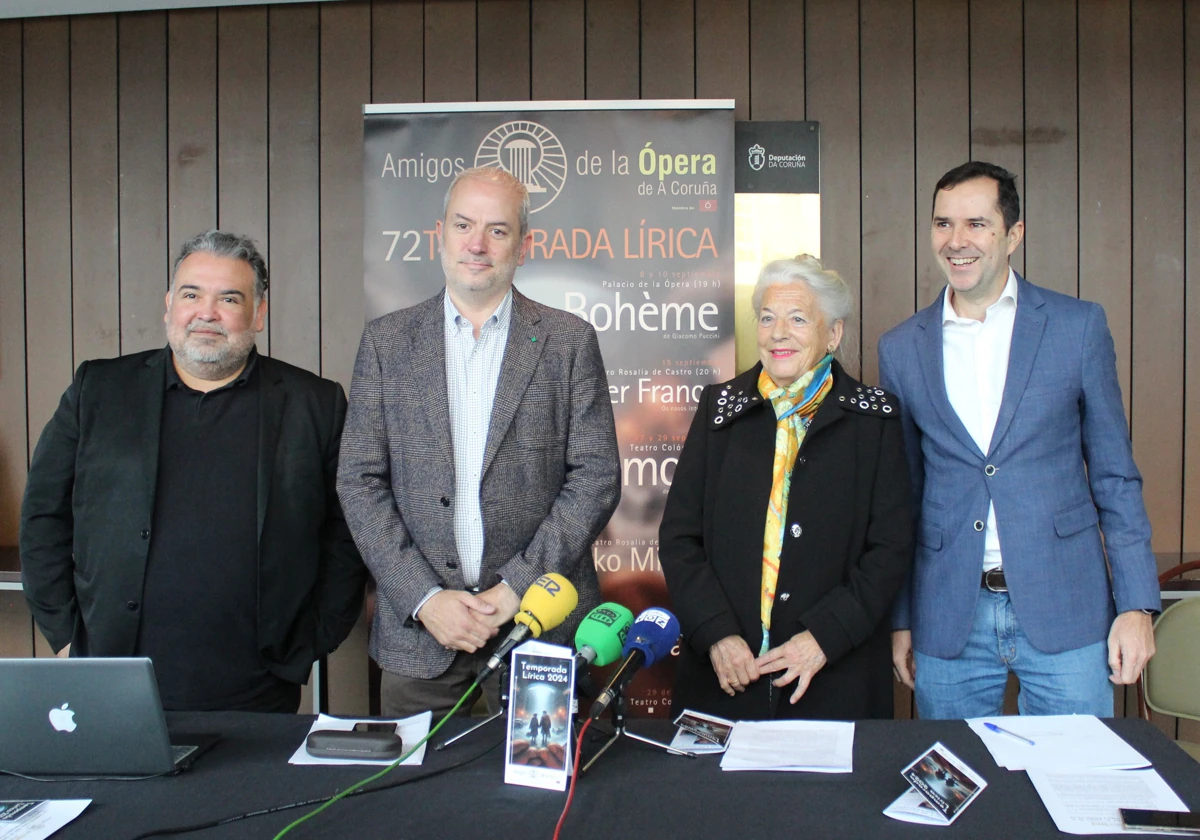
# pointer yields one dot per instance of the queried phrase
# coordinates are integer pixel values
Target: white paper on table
(818, 746)
(1060, 742)
(911, 807)
(1089, 801)
(410, 730)
(39, 819)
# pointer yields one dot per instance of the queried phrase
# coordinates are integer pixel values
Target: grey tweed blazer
(551, 474)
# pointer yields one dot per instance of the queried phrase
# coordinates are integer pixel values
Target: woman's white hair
(833, 294)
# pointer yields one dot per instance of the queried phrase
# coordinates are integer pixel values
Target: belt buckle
(987, 580)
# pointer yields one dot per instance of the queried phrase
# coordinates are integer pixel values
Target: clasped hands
(800, 657)
(462, 621)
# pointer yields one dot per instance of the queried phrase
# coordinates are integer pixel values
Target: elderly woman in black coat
(788, 531)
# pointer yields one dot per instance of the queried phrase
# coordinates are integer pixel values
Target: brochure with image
(701, 732)
(942, 786)
(542, 685)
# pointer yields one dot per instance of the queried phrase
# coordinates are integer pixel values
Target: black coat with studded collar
(846, 553)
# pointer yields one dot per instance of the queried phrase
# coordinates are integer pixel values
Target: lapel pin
(533, 338)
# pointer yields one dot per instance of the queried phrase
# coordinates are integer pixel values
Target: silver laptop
(86, 717)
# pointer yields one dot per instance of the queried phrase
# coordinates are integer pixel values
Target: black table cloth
(633, 790)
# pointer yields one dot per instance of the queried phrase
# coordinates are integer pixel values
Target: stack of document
(1055, 741)
(1089, 801)
(816, 746)
(1083, 771)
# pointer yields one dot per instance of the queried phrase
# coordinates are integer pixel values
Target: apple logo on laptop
(63, 719)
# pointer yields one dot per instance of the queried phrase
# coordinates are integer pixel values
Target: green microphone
(601, 635)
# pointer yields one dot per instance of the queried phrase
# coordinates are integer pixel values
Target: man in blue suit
(1020, 460)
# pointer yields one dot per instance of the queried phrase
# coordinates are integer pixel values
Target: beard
(207, 358)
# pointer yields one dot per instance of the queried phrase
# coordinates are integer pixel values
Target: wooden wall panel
(191, 123)
(94, 263)
(397, 51)
(558, 49)
(1051, 145)
(502, 50)
(723, 53)
(612, 51)
(14, 447)
(450, 74)
(49, 359)
(294, 150)
(1105, 172)
(668, 49)
(776, 73)
(942, 102)
(997, 106)
(831, 73)
(242, 130)
(345, 74)
(1158, 238)
(888, 164)
(345, 79)
(142, 158)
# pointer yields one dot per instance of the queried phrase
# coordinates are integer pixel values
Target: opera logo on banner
(758, 157)
(530, 152)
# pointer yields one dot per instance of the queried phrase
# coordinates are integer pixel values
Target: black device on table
(1181, 822)
(373, 741)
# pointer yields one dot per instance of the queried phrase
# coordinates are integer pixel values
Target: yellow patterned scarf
(794, 407)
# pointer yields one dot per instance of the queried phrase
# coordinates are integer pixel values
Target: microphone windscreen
(547, 603)
(654, 634)
(604, 630)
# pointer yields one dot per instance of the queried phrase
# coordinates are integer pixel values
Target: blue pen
(994, 728)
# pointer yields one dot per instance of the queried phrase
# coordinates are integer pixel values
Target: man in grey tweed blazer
(479, 453)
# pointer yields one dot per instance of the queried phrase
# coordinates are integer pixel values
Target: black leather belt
(993, 580)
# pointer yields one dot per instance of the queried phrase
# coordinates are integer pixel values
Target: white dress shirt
(472, 371)
(975, 363)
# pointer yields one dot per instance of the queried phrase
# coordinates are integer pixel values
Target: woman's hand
(734, 664)
(800, 657)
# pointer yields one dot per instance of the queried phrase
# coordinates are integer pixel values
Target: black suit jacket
(89, 502)
(846, 552)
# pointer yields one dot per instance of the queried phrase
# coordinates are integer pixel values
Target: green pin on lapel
(533, 338)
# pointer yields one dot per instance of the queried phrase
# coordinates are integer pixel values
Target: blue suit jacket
(1060, 465)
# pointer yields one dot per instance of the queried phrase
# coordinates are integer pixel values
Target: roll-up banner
(632, 216)
(777, 209)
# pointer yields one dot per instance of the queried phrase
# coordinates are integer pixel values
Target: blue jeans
(972, 684)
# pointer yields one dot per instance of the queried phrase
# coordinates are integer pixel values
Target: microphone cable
(574, 777)
(186, 829)
(385, 770)
(355, 790)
